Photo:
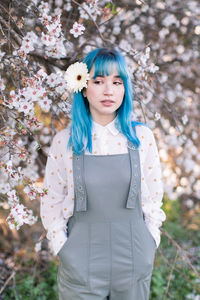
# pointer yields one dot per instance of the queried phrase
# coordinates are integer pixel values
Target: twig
(7, 281)
(182, 251)
(11, 18)
(113, 16)
(15, 291)
(170, 275)
(15, 36)
(97, 27)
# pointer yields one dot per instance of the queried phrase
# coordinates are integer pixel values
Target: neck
(103, 120)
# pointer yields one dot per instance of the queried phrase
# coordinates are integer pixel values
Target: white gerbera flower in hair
(76, 76)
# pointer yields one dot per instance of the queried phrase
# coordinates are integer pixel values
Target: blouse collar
(98, 128)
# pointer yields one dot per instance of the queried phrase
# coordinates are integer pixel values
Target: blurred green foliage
(170, 264)
(42, 287)
(172, 278)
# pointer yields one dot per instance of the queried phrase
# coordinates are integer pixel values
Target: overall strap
(79, 183)
(134, 190)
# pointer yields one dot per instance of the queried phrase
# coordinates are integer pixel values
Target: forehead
(109, 69)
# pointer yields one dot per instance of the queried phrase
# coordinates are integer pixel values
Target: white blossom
(25, 106)
(38, 246)
(45, 104)
(185, 119)
(169, 20)
(4, 188)
(48, 40)
(19, 215)
(77, 29)
(2, 54)
(67, 6)
(12, 198)
(163, 32)
(2, 85)
(157, 116)
(44, 7)
(52, 80)
(153, 68)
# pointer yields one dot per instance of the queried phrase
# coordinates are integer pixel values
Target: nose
(108, 90)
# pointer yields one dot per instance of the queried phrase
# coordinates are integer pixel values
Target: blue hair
(104, 61)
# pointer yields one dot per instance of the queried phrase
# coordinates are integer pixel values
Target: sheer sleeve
(152, 199)
(51, 204)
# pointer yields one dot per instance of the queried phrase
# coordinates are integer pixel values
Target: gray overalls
(110, 252)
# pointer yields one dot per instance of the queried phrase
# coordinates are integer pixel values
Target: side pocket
(74, 256)
(63, 246)
(150, 234)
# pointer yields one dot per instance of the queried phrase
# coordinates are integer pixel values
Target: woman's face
(105, 95)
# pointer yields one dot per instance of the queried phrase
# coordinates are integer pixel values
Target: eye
(97, 81)
(117, 82)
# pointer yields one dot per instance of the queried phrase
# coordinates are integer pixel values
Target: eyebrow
(115, 76)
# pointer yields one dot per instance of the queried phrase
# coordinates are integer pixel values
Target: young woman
(103, 209)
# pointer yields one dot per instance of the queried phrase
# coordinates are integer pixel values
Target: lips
(107, 101)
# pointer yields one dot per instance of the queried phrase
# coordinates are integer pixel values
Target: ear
(84, 92)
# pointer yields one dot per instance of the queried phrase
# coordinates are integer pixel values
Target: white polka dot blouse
(57, 206)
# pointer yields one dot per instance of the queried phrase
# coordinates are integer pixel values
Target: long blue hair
(104, 60)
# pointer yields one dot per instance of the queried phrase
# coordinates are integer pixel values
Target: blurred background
(38, 41)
